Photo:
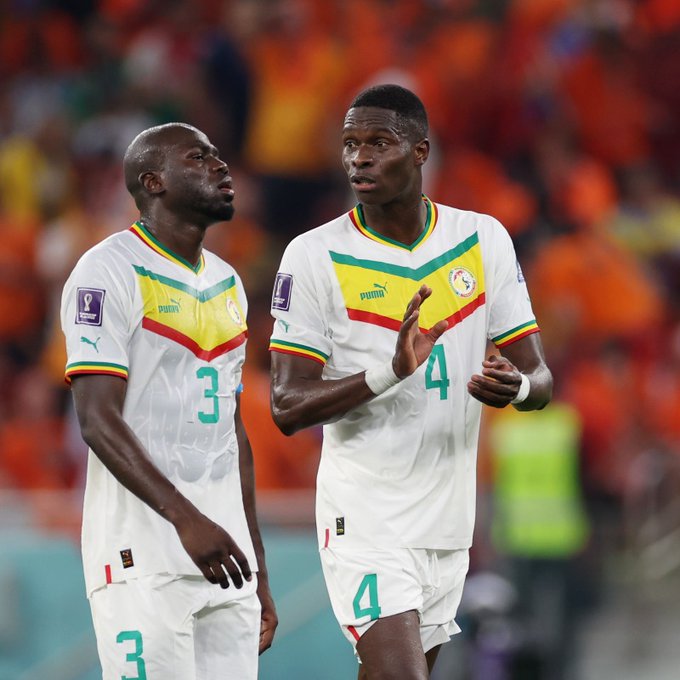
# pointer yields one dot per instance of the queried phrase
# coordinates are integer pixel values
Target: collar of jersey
(139, 230)
(359, 221)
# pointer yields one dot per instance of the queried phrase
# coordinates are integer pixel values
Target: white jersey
(400, 470)
(177, 334)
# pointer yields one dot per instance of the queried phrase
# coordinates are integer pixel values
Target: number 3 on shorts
(368, 583)
(135, 656)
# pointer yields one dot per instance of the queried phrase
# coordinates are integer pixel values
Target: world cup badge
(90, 306)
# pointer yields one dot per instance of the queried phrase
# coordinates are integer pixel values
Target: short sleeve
(511, 316)
(241, 293)
(300, 324)
(96, 315)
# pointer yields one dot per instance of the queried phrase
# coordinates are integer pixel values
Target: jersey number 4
(368, 590)
(436, 365)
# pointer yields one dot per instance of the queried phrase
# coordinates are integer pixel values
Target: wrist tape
(380, 378)
(523, 391)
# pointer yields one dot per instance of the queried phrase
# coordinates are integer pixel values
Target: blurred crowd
(558, 117)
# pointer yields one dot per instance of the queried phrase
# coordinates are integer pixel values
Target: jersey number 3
(210, 392)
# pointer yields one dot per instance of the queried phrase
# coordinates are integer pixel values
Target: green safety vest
(538, 509)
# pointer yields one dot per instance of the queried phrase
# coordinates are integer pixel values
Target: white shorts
(365, 585)
(165, 627)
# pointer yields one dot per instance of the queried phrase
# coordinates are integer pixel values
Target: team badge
(463, 282)
(234, 312)
(283, 286)
(90, 306)
(340, 526)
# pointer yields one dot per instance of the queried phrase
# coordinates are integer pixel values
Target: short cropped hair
(403, 102)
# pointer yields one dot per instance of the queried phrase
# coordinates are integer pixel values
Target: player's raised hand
(213, 551)
(413, 347)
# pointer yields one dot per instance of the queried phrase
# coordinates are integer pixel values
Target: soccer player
(155, 331)
(400, 393)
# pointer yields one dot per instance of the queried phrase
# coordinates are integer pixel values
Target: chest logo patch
(234, 312)
(378, 291)
(463, 282)
(175, 307)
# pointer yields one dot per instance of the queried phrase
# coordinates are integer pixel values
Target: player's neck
(398, 221)
(185, 240)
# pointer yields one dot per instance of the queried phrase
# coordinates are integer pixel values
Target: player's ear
(151, 181)
(421, 151)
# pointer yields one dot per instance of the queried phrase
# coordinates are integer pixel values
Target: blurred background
(559, 117)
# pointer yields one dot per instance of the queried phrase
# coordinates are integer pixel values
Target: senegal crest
(462, 281)
(234, 312)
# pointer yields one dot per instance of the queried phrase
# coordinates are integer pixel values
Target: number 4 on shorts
(368, 583)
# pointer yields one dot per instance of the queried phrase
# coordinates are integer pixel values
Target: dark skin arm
(500, 379)
(301, 398)
(269, 619)
(99, 405)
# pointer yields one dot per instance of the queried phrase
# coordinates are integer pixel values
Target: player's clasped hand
(214, 552)
(498, 383)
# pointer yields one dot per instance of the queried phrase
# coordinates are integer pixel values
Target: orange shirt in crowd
(30, 453)
(587, 288)
(298, 75)
(602, 389)
(612, 114)
(22, 300)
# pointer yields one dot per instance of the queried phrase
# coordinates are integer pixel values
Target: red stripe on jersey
(395, 324)
(328, 538)
(353, 630)
(192, 345)
(464, 312)
(107, 569)
(374, 319)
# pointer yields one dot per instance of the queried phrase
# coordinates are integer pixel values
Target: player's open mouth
(362, 182)
(225, 188)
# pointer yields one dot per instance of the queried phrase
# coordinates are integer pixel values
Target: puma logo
(373, 294)
(90, 342)
(174, 308)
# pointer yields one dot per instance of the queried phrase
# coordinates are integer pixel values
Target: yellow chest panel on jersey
(207, 322)
(378, 292)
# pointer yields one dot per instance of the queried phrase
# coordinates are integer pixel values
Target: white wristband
(381, 378)
(523, 391)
